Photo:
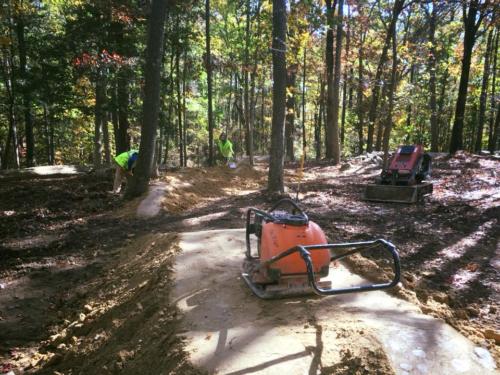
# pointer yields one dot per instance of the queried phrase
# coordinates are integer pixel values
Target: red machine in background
(403, 180)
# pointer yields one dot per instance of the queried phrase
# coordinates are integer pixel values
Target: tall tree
(431, 67)
(391, 89)
(484, 94)
(275, 183)
(335, 140)
(291, 77)
(248, 124)
(491, 146)
(372, 115)
(472, 17)
(99, 114)
(330, 20)
(28, 118)
(151, 105)
(208, 63)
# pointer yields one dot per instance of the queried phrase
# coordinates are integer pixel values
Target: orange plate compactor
(293, 254)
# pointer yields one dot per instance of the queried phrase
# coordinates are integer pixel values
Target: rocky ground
(85, 285)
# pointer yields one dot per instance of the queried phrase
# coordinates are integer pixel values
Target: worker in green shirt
(225, 146)
(125, 164)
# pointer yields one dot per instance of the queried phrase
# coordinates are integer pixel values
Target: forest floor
(85, 285)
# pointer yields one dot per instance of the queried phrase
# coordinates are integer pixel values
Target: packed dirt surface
(86, 285)
(229, 331)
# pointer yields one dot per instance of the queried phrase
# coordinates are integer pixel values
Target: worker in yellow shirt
(125, 164)
(225, 147)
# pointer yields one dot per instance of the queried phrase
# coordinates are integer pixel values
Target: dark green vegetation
(360, 75)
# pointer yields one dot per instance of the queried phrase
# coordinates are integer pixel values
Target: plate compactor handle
(355, 247)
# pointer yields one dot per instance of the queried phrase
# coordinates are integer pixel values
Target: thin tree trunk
(344, 90)
(48, 134)
(361, 110)
(179, 104)
(484, 94)
(409, 107)
(470, 25)
(211, 159)
(304, 71)
(335, 145)
(496, 130)
(105, 138)
(372, 115)
(184, 112)
(229, 116)
(321, 101)
(491, 146)
(329, 136)
(123, 98)
(248, 125)
(11, 152)
(275, 183)
(114, 114)
(154, 53)
(381, 122)
(262, 113)
(100, 97)
(388, 127)
(28, 118)
(290, 112)
(432, 18)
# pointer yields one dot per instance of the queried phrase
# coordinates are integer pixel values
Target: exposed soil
(85, 285)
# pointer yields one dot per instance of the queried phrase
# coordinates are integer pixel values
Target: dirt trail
(67, 247)
(230, 331)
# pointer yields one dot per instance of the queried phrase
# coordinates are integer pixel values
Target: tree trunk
(344, 90)
(248, 127)
(456, 142)
(360, 106)
(154, 52)
(391, 89)
(123, 98)
(496, 130)
(28, 118)
(491, 146)
(330, 19)
(275, 183)
(262, 113)
(304, 138)
(105, 138)
(484, 94)
(11, 152)
(321, 116)
(49, 134)
(431, 64)
(290, 112)
(179, 104)
(99, 113)
(211, 159)
(409, 107)
(335, 145)
(381, 122)
(372, 115)
(184, 112)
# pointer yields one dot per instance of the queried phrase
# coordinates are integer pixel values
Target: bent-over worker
(225, 148)
(125, 164)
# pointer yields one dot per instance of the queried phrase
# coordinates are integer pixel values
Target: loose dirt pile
(188, 188)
